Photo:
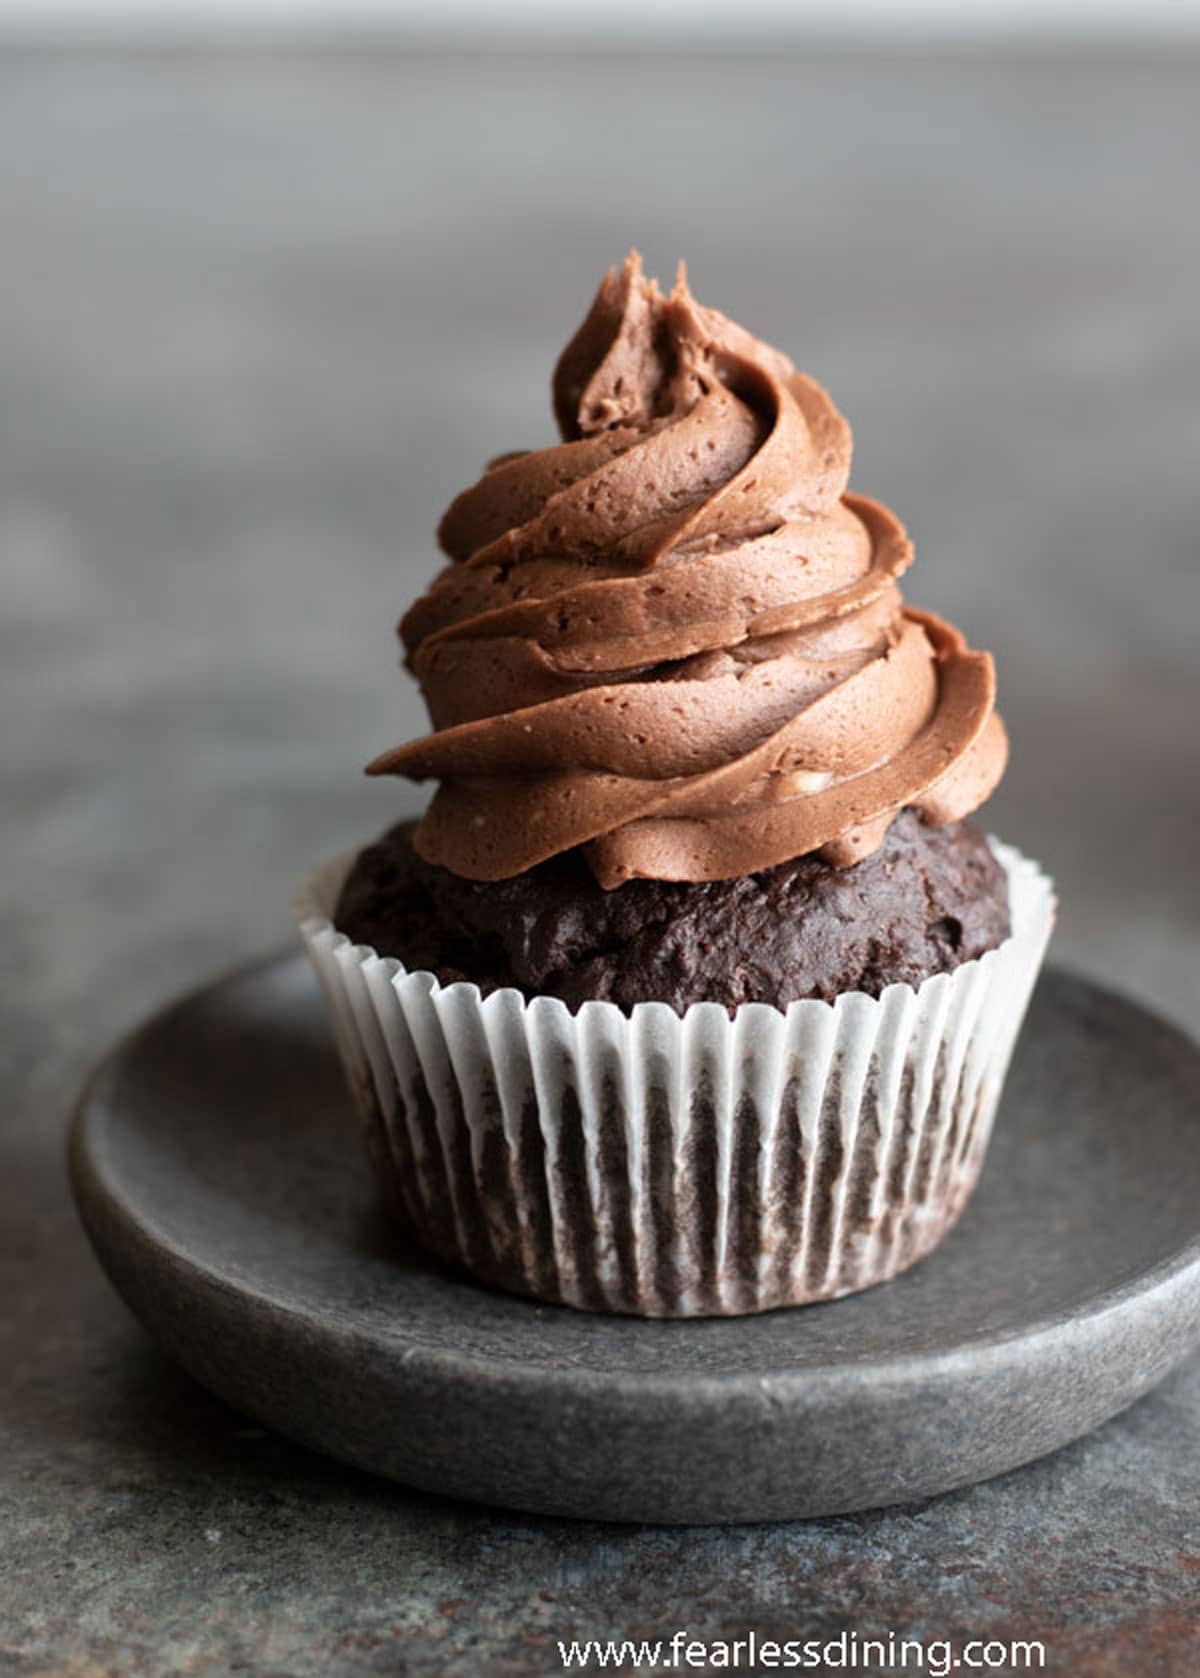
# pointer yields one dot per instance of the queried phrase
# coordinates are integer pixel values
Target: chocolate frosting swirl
(673, 638)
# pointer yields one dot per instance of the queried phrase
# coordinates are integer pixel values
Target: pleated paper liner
(674, 1166)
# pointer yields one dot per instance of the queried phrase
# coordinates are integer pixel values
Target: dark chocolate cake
(689, 745)
(927, 900)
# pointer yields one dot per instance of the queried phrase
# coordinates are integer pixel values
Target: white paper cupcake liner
(668, 1165)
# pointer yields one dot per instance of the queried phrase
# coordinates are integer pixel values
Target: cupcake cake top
(674, 638)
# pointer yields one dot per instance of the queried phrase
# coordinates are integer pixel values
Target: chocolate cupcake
(693, 990)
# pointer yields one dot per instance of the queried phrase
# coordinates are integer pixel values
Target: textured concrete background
(259, 319)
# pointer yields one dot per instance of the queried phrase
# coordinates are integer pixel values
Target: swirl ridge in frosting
(674, 638)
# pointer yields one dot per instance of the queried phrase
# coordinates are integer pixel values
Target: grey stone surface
(259, 318)
(211, 1163)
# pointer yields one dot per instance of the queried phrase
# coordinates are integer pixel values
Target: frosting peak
(673, 637)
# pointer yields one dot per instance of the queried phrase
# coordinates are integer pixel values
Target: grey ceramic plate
(215, 1162)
